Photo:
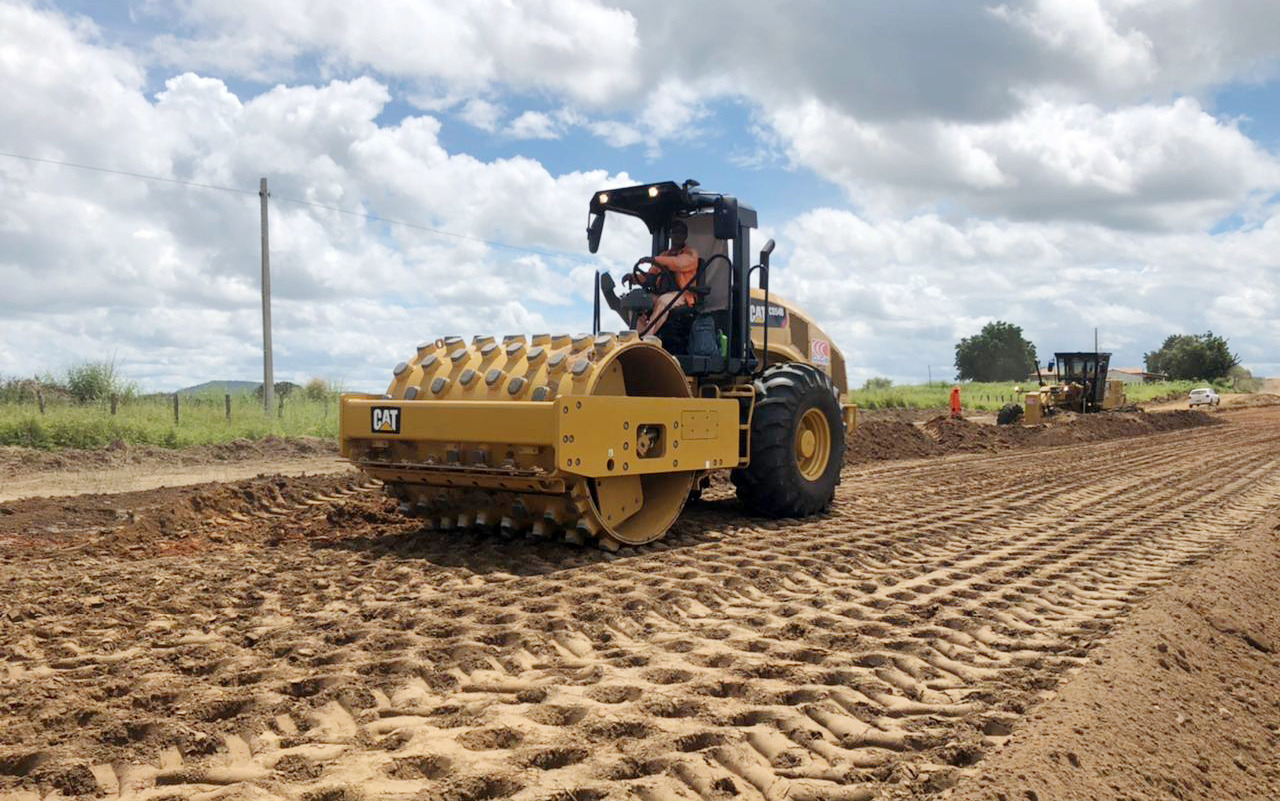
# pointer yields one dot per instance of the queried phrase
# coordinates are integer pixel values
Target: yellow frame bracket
(598, 435)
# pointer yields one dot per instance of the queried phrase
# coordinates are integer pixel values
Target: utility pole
(930, 369)
(268, 373)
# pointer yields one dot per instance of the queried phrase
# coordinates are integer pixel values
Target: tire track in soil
(878, 651)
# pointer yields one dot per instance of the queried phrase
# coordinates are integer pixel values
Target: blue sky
(926, 167)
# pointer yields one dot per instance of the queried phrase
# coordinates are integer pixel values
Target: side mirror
(595, 226)
(765, 251)
(725, 218)
(764, 264)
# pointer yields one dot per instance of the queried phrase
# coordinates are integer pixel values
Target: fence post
(175, 408)
(227, 399)
(40, 400)
(280, 413)
(114, 400)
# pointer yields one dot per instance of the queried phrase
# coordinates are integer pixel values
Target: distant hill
(221, 388)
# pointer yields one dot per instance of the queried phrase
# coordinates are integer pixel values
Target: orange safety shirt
(683, 263)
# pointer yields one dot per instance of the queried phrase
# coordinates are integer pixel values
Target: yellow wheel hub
(813, 444)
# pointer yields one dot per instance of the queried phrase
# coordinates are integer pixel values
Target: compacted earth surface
(122, 468)
(1083, 610)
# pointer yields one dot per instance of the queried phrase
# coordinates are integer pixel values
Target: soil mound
(270, 509)
(882, 440)
(16, 461)
(957, 435)
(1252, 401)
(885, 440)
(1094, 427)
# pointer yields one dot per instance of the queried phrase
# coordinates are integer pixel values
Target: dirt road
(281, 644)
(144, 477)
(27, 472)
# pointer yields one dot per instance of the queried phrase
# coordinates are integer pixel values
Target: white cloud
(920, 78)
(898, 295)
(578, 47)
(1083, 34)
(166, 276)
(1172, 166)
(1055, 164)
(534, 125)
(617, 134)
(482, 114)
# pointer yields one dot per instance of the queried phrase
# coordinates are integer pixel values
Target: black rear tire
(774, 483)
(1009, 414)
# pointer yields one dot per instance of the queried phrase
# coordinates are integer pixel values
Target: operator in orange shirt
(680, 262)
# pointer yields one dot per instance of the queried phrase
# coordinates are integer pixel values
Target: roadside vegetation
(78, 407)
(78, 412)
(880, 393)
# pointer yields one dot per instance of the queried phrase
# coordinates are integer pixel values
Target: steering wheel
(642, 278)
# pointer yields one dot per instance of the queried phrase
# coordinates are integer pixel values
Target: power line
(129, 174)
(468, 237)
(284, 199)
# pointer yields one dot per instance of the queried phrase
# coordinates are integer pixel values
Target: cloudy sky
(925, 166)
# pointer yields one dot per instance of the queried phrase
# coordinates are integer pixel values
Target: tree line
(999, 352)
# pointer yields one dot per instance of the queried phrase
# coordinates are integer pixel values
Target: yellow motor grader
(1080, 385)
(605, 436)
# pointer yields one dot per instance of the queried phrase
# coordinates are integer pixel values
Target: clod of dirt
(549, 715)
(340, 793)
(700, 741)
(432, 766)
(613, 694)
(490, 739)
(297, 768)
(554, 758)
(480, 788)
(70, 779)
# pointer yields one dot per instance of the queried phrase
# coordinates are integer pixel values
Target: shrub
(317, 389)
(97, 381)
(283, 389)
(1241, 380)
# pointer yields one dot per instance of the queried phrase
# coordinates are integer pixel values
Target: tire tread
(771, 483)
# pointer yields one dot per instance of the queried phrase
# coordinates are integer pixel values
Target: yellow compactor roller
(605, 436)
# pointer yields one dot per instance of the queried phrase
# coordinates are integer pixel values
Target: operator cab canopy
(658, 204)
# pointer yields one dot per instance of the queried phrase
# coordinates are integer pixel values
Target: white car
(1204, 396)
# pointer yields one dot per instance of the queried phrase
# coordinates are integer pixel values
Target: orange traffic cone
(955, 402)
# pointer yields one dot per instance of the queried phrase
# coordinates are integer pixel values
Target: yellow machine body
(1115, 397)
(597, 436)
(1050, 398)
(605, 437)
(587, 437)
(793, 337)
(1034, 408)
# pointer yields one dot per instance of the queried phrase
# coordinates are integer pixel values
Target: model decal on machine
(777, 314)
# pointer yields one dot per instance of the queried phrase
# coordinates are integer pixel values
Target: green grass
(992, 396)
(149, 421)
